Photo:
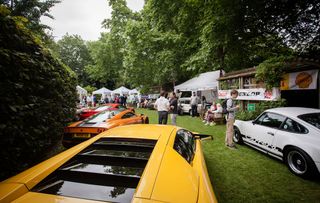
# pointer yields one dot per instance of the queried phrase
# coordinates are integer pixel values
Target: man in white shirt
(162, 105)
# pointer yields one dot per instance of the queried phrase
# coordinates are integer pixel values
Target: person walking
(89, 101)
(174, 108)
(194, 104)
(162, 105)
(232, 108)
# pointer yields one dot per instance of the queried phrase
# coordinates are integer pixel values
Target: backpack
(224, 106)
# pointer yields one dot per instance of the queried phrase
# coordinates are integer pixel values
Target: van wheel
(190, 112)
(299, 162)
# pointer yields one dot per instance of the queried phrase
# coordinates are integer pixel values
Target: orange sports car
(82, 130)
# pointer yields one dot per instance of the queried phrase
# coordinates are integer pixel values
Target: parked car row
(113, 161)
(82, 130)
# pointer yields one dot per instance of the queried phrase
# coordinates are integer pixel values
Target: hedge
(37, 96)
(260, 107)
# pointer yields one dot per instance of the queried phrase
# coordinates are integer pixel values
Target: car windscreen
(101, 117)
(102, 108)
(186, 94)
(312, 118)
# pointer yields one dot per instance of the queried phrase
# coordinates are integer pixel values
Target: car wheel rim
(297, 162)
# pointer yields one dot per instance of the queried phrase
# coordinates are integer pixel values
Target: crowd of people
(92, 100)
(216, 111)
(168, 104)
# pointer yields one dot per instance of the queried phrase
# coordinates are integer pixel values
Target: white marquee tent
(134, 91)
(81, 92)
(206, 83)
(121, 90)
(102, 91)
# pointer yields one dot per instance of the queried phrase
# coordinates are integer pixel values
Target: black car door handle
(270, 133)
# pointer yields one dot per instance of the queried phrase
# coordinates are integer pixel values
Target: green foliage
(108, 52)
(37, 97)
(107, 63)
(169, 42)
(260, 107)
(90, 89)
(73, 51)
(32, 10)
(271, 71)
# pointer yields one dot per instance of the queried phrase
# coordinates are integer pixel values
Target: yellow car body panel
(167, 176)
(206, 193)
(11, 191)
(175, 175)
(140, 200)
(34, 197)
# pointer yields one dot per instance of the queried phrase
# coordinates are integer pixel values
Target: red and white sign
(257, 94)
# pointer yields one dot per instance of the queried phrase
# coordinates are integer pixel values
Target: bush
(261, 107)
(37, 96)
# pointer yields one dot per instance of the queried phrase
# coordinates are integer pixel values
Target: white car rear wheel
(299, 162)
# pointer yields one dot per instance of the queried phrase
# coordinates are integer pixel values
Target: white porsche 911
(291, 134)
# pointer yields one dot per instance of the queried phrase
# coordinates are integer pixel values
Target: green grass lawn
(246, 175)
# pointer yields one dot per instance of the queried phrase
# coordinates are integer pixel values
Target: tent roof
(204, 81)
(102, 91)
(81, 90)
(134, 91)
(121, 90)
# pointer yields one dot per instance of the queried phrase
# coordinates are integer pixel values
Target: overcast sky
(82, 17)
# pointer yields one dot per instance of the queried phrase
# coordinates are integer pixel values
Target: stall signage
(251, 107)
(257, 94)
(300, 80)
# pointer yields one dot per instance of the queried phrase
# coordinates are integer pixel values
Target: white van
(184, 103)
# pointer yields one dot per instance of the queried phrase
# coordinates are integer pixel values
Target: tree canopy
(73, 51)
(168, 42)
(32, 10)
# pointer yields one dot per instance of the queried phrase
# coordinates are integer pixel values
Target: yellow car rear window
(107, 170)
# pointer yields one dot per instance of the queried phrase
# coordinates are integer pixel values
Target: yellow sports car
(137, 163)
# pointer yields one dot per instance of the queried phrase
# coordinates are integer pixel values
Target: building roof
(294, 65)
(239, 73)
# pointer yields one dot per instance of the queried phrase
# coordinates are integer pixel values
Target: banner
(257, 94)
(300, 80)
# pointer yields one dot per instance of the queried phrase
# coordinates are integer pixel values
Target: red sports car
(91, 111)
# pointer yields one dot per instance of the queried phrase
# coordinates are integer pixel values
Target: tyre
(190, 112)
(237, 137)
(299, 162)
(146, 120)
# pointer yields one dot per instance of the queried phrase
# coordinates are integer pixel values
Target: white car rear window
(311, 118)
